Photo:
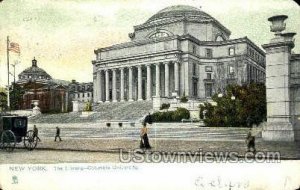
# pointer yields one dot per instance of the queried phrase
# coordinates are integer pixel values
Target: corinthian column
(167, 82)
(149, 81)
(106, 86)
(130, 82)
(114, 85)
(122, 85)
(140, 83)
(157, 80)
(99, 86)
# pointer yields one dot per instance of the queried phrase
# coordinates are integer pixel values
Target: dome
(34, 72)
(180, 11)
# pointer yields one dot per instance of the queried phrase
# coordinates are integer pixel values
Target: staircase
(129, 111)
(122, 110)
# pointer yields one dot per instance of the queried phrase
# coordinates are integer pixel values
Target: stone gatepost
(279, 103)
(75, 106)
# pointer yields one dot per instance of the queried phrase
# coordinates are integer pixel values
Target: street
(23, 156)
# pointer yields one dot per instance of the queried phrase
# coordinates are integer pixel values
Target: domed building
(179, 51)
(53, 95)
(34, 73)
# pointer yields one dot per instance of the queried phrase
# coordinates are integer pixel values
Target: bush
(165, 106)
(108, 124)
(248, 108)
(171, 116)
(120, 124)
(183, 99)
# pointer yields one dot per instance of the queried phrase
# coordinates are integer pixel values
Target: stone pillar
(167, 81)
(114, 85)
(130, 84)
(279, 121)
(149, 83)
(106, 86)
(95, 87)
(157, 80)
(99, 86)
(122, 85)
(140, 83)
(176, 77)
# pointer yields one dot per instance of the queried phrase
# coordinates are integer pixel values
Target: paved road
(22, 156)
(183, 133)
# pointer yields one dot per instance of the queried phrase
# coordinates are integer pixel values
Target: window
(208, 53)
(88, 94)
(208, 90)
(208, 68)
(83, 95)
(159, 35)
(194, 69)
(231, 51)
(194, 49)
(231, 70)
(208, 76)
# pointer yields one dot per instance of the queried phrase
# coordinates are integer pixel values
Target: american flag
(14, 47)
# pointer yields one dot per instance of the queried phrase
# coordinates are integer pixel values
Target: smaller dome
(34, 72)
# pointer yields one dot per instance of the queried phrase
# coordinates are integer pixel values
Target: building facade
(53, 95)
(179, 51)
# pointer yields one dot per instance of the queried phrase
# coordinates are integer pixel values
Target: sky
(63, 34)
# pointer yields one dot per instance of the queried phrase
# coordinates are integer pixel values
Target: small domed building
(53, 95)
(179, 51)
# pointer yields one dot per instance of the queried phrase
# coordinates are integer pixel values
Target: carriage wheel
(30, 141)
(8, 140)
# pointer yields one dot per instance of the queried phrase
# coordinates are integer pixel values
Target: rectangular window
(231, 51)
(194, 49)
(194, 69)
(208, 90)
(208, 53)
(208, 76)
(208, 68)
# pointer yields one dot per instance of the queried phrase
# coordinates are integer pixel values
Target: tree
(248, 107)
(16, 96)
(3, 101)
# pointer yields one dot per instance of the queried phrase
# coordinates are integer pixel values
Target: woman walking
(144, 137)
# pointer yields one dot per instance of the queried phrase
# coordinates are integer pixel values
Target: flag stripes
(14, 47)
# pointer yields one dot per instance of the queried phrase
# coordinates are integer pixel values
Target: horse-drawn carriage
(13, 129)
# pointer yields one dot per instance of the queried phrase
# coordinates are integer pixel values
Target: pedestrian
(57, 134)
(250, 141)
(36, 133)
(148, 119)
(144, 143)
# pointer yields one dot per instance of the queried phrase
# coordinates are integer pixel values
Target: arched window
(159, 35)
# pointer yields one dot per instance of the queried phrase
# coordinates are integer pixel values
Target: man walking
(57, 134)
(36, 133)
(250, 141)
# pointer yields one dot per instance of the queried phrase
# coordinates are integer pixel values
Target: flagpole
(8, 99)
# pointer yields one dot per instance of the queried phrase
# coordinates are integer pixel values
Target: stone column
(99, 86)
(149, 83)
(157, 80)
(95, 87)
(279, 118)
(122, 85)
(130, 84)
(106, 86)
(167, 81)
(140, 83)
(114, 85)
(176, 77)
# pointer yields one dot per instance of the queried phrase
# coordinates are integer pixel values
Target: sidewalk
(288, 150)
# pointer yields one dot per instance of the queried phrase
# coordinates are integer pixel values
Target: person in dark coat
(57, 134)
(36, 133)
(144, 144)
(250, 141)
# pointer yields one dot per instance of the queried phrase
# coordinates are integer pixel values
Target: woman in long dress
(144, 137)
